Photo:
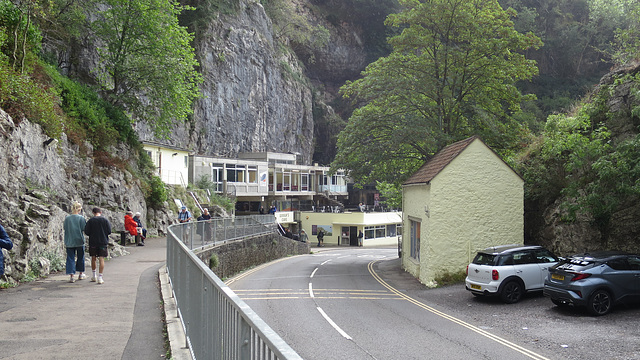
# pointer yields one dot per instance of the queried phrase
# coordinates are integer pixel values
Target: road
(357, 303)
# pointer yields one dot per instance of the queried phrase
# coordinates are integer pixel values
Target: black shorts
(98, 251)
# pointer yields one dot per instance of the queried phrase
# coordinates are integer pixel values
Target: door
(353, 236)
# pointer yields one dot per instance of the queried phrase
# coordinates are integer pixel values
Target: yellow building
(171, 162)
(378, 228)
(464, 199)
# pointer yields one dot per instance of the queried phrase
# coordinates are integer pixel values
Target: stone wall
(240, 255)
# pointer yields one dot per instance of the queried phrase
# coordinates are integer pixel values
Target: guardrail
(216, 322)
(200, 234)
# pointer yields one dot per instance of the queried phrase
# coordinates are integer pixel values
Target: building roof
(439, 161)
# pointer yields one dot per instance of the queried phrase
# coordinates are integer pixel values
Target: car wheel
(600, 302)
(511, 292)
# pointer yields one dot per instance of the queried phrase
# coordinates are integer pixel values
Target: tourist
(5, 243)
(98, 229)
(74, 225)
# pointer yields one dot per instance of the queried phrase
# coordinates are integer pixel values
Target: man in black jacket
(98, 229)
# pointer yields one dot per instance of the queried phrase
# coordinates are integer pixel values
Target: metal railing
(217, 323)
(200, 234)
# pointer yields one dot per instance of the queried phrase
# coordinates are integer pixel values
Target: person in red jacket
(131, 226)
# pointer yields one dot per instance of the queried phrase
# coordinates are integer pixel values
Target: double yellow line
(476, 329)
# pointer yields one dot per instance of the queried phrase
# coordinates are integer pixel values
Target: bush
(157, 193)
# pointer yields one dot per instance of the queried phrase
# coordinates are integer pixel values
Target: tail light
(579, 276)
(495, 275)
(467, 269)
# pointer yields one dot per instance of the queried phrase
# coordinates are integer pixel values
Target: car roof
(598, 255)
(505, 249)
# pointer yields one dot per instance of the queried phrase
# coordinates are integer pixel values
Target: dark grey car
(595, 280)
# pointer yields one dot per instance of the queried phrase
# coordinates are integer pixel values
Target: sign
(284, 217)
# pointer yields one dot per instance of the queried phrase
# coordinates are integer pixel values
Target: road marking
(335, 326)
(455, 320)
(310, 290)
(313, 273)
(326, 261)
(251, 271)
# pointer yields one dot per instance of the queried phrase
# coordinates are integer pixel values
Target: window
(253, 174)
(380, 231)
(216, 176)
(186, 161)
(391, 230)
(369, 232)
(304, 182)
(235, 173)
(415, 239)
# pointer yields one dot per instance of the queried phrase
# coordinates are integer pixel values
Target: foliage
(214, 261)
(101, 123)
(628, 38)
(24, 38)
(447, 278)
(157, 193)
(149, 64)
(205, 183)
(391, 193)
(293, 27)
(451, 75)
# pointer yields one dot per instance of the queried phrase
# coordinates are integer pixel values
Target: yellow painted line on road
(455, 320)
(251, 271)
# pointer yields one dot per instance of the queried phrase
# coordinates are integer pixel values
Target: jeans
(72, 264)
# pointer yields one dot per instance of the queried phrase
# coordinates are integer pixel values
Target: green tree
(451, 74)
(148, 61)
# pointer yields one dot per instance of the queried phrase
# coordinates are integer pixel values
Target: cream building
(172, 163)
(464, 199)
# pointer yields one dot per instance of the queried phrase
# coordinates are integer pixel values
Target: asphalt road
(357, 303)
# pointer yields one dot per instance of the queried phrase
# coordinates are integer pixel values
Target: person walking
(74, 225)
(98, 229)
(5, 243)
(360, 236)
(303, 236)
(320, 238)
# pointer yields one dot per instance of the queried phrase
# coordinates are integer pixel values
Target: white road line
(335, 326)
(326, 261)
(310, 290)
(313, 273)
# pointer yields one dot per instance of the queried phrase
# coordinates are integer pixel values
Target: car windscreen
(484, 259)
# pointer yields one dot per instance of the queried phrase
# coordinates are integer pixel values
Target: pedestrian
(138, 221)
(303, 236)
(184, 215)
(320, 238)
(131, 226)
(261, 210)
(360, 236)
(74, 225)
(98, 229)
(5, 243)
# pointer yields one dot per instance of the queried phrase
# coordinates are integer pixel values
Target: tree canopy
(451, 74)
(148, 61)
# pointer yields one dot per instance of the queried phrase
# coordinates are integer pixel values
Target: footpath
(120, 319)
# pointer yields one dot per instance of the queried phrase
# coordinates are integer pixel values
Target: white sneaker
(93, 279)
(82, 277)
(100, 281)
(72, 279)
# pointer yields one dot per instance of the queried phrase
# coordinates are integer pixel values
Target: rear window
(575, 264)
(484, 259)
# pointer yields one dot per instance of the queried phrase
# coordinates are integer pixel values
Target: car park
(509, 271)
(597, 281)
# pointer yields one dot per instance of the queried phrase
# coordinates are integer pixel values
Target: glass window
(253, 174)
(380, 231)
(415, 239)
(391, 230)
(369, 232)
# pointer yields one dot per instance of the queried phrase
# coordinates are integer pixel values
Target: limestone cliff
(40, 178)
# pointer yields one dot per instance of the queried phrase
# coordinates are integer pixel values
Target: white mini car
(509, 271)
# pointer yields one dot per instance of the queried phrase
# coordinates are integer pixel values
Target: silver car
(595, 280)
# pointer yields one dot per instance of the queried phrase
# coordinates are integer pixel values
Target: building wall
(476, 201)
(172, 164)
(415, 200)
(358, 219)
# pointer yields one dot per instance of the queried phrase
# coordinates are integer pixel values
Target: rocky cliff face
(40, 178)
(544, 222)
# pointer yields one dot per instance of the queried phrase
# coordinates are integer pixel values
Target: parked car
(509, 271)
(597, 281)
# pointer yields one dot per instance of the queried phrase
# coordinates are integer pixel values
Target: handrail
(217, 323)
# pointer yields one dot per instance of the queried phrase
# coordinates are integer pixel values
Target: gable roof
(439, 161)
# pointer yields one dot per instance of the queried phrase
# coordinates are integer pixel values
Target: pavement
(121, 319)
